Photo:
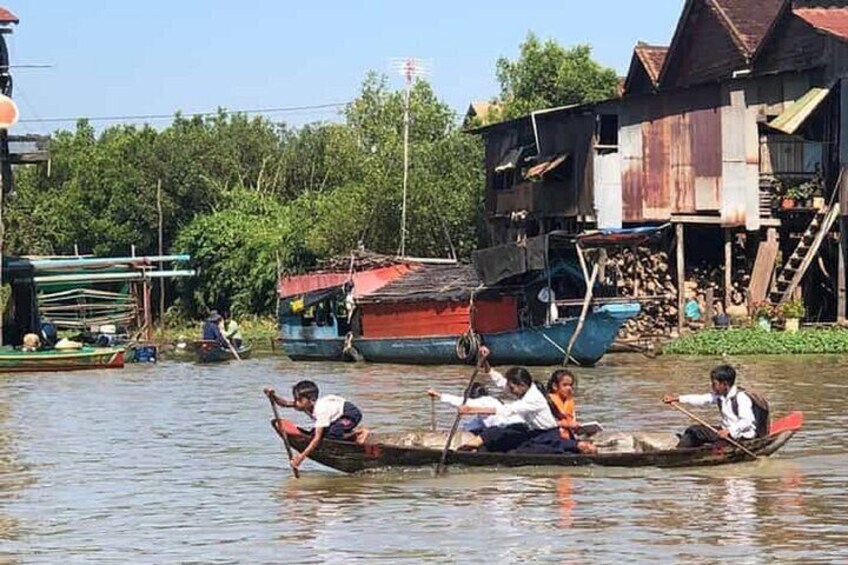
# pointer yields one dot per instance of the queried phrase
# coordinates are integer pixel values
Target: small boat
(209, 351)
(424, 449)
(16, 360)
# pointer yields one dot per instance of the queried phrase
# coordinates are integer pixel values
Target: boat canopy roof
(429, 282)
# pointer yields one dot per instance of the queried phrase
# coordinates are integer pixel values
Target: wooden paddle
(282, 431)
(433, 413)
(703, 422)
(232, 349)
(441, 466)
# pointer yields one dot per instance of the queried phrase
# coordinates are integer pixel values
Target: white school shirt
(532, 408)
(479, 421)
(327, 410)
(742, 426)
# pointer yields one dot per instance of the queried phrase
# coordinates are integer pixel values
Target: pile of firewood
(646, 275)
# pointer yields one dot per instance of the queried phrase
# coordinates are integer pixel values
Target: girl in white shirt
(538, 430)
(478, 397)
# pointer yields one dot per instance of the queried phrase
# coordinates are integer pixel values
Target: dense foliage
(754, 341)
(547, 75)
(244, 196)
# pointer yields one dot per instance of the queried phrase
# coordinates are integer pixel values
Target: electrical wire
(135, 117)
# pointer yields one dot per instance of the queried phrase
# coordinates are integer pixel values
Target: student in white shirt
(737, 410)
(335, 418)
(478, 397)
(538, 430)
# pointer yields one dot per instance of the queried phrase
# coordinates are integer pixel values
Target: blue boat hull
(537, 346)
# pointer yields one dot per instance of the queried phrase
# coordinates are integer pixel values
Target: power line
(196, 114)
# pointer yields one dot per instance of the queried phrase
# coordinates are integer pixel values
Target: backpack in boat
(760, 406)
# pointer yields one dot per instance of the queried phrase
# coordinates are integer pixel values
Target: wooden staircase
(794, 269)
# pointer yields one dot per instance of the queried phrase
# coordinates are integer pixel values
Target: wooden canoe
(208, 351)
(420, 450)
(15, 360)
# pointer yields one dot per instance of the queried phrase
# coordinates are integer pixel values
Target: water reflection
(196, 474)
(565, 501)
(738, 504)
(14, 475)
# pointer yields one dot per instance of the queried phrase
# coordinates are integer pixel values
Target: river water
(177, 463)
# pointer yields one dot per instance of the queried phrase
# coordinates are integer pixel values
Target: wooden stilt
(148, 323)
(709, 310)
(681, 276)
(728, 266)
(843, 251)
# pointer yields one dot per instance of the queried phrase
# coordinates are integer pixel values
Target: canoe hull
(209, 352)
(351, 457)
(53, 360)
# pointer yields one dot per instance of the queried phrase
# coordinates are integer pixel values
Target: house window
(607, 130)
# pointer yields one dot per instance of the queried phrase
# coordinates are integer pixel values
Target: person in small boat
(477, 396)
(212, 329)
(538, 432)
(231, 331)
(31, 343)
(335, 418)
(561, 396)
(49, 336)
(737, 410)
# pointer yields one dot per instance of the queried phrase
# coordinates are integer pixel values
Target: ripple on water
(177, 463)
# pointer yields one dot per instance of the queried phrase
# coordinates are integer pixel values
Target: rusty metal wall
(630, 149)
(670, 148)
(733, 158)
(608, 205)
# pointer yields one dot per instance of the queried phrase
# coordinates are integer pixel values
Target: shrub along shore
(755, 341)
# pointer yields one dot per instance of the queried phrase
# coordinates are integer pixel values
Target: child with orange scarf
(561, 397)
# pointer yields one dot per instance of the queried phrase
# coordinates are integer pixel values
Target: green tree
(239, 193)
(547, 75)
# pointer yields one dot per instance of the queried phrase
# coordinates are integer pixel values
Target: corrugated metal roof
(830, 20)
(795, 115)
(546, 166)
(7, 17)
(652, 58)
(748, 20)
(364, 282)
(429, 282)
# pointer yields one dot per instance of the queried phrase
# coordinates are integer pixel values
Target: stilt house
(736, 133)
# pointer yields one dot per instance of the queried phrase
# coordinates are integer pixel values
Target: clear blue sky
(155, 57)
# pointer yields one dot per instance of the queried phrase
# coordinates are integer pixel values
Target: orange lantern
(8, 112)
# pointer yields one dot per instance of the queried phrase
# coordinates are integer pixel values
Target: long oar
(285, 436)
(441, 466)
(728, 439)
(433, 413)
(232, 349)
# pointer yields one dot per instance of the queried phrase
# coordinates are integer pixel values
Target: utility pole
(410, 69)
(161, 253)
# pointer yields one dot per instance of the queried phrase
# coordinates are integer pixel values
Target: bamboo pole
(728, 267)
(841, 314)
(2, 250)
(161, 253)
(590, 289)
(681, 276)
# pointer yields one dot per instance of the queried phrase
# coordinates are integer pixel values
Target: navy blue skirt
(519, 438)
(341, 427)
